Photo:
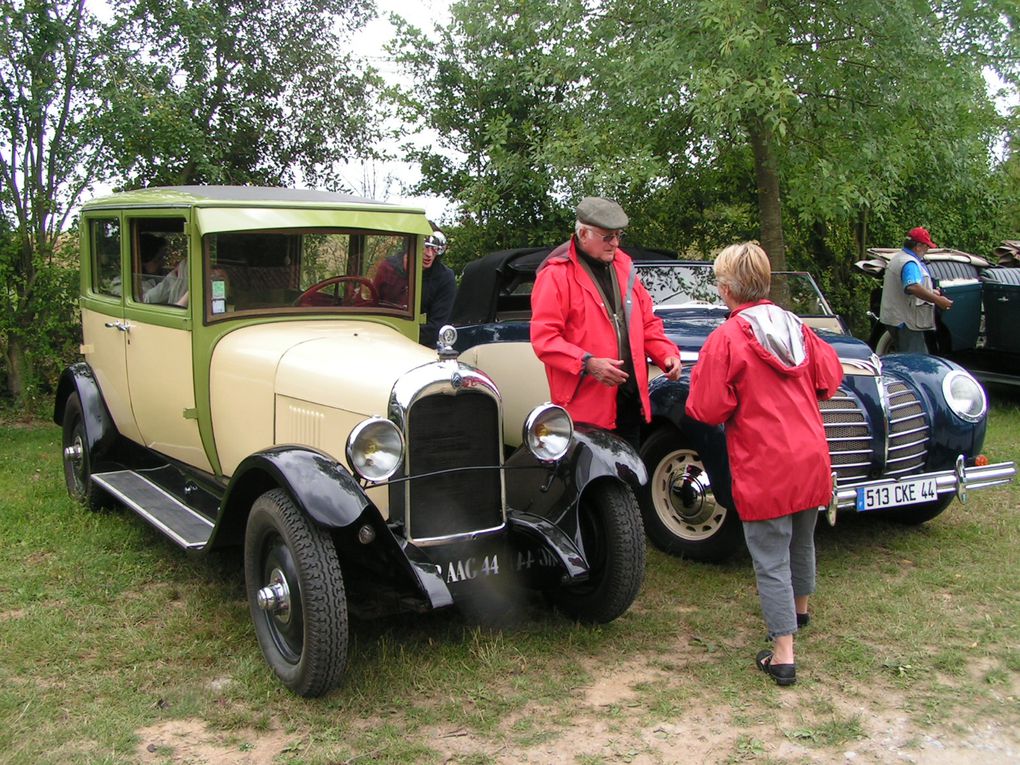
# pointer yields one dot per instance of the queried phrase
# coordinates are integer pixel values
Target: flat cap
(604, 213)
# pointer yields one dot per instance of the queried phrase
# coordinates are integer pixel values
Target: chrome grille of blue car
(909, 430)
(849, 435)
(846, 429)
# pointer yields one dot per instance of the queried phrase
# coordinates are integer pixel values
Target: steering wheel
(314, 295)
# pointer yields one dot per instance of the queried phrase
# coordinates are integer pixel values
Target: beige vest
(899, 307)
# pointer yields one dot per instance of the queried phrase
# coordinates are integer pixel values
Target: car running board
(168, 514)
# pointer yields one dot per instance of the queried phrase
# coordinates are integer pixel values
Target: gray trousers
(783, 552)
(909, 340)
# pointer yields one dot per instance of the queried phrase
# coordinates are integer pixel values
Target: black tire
(678, 506)
(915, 515)
(305, 643)
(78, 458)
(614, 547)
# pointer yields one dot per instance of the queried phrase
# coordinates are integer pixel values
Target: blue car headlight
(964, 395)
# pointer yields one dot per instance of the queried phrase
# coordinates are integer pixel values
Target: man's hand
(942, 301)
(607, 371)
(673, 367)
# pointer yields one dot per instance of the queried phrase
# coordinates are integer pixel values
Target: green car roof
(262, 196)
(239, 208)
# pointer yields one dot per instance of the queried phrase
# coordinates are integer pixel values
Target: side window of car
(104, 244)
(159, 262)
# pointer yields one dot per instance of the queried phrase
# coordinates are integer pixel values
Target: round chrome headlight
(964, 395)
(375, 449)
(547, 432)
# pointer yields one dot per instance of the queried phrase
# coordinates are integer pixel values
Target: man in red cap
(909, 295)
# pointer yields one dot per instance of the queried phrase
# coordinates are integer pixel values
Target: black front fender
(326, 492)
(552, 490)
(100, 430)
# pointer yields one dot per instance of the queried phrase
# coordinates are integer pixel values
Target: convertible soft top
(501, 280)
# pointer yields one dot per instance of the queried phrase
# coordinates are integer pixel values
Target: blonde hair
(745, 270)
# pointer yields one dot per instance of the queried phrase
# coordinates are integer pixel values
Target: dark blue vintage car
(905, 431)
(979, 331)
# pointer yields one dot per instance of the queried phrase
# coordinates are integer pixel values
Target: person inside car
(438, 288)
(152, 256)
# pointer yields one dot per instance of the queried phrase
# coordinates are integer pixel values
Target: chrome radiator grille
(849, 437)
(455, 434)
(908, 430)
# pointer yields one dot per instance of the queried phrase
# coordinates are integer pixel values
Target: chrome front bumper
(960, 480)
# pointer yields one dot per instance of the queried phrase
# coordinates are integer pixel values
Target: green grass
(107, 630)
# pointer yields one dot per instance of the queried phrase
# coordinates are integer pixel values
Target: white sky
(383, 181)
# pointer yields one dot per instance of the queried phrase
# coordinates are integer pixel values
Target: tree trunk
(861, 233)
(14, 355)
(770, 211)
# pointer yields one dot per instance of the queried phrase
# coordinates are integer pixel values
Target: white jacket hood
(780, 333)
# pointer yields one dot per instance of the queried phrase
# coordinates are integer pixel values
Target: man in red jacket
(592, 325)
(761, 374)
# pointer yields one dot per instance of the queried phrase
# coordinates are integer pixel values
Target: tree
(241, 91)
(811, 123)
(51, 150)
(497, 82)
(187, 92)
(838, 105)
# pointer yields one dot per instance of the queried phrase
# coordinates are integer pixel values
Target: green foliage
(867, 120)
(52, 68)
(240, 92)
(50, 340)
(498, 81)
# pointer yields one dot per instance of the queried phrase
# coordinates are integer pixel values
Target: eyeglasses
(607, 238)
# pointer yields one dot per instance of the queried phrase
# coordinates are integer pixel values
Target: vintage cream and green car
(252, 377)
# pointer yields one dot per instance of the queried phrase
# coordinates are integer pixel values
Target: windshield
(308, 271)
(690, 285)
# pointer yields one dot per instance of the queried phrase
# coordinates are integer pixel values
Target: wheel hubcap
(683, 498)
(274, 598)
(691, 495)
(74, 455)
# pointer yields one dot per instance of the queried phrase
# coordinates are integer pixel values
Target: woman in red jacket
(761, 374)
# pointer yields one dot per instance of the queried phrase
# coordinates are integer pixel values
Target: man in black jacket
(438, 288)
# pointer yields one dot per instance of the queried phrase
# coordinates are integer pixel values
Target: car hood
(690, 328)
(348, 365)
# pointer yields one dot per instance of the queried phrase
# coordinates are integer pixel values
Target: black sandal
(783, 674)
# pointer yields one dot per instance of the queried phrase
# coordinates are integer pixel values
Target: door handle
(123, 326)
(1002, 299)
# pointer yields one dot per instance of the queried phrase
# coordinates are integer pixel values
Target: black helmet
(436, 239)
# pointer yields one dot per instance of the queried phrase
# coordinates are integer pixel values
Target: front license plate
(896, 494)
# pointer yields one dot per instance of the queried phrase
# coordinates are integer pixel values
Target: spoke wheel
(295, 595)
(679, 509)
(614, 547)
